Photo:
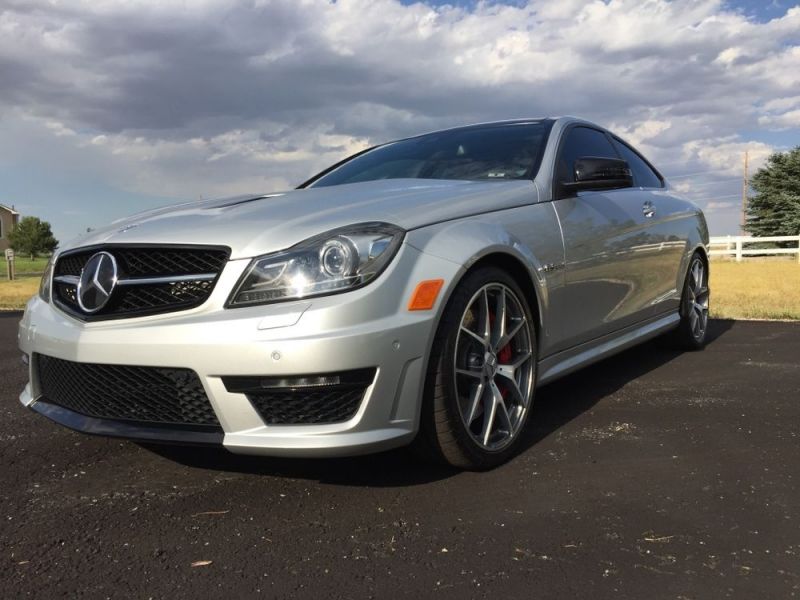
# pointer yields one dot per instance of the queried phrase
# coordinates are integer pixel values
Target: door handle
(648, 209)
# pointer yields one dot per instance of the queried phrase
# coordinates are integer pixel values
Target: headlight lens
(337, 261)
(47, 278)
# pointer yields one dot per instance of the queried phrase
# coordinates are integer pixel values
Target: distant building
(8, 219)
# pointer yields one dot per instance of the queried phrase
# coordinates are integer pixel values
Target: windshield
(486, 153)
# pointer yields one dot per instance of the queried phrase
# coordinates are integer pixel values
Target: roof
(9, 209)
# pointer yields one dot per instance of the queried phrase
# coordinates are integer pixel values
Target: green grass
(26, 266)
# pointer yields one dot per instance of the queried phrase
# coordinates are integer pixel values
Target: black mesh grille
(141, 262)
(175, 295)
(144, 298)
(306, 406)
(66, 293)
(293, 401)
(151, 395)
(72, 264)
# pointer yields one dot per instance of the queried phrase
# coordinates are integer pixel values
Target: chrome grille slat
(68, 279)
(151, 279)
(167, 279)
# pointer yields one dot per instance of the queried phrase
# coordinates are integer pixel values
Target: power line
(697, 173)
(697, 185)
(715, 197)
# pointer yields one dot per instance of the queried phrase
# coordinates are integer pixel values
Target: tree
(32, 236)
(775, 207)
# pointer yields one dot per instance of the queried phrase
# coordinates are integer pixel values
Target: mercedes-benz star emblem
(98, 280)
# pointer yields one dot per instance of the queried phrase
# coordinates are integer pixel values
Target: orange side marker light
(425, 294)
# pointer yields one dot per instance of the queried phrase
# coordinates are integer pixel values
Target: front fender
(528, 235)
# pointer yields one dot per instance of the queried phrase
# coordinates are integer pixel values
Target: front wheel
(481, 374)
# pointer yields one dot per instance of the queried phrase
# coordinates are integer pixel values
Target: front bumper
(366, 328)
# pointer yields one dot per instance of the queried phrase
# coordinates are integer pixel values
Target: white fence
(735, 245)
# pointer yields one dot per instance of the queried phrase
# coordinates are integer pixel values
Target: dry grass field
(759, 289)
(755, 289)
(14, 294)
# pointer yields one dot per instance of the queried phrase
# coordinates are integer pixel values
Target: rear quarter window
(643, 173)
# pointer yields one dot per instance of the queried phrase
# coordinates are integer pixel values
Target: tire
(481, 374)
(692, 331)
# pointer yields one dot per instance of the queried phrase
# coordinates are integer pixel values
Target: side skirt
(565, 362)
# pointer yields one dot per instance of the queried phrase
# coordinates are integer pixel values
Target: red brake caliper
(504, 356)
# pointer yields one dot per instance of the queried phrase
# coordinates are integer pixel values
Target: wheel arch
(703, 252)
(512, 265)
(683, 272)
(473, 244)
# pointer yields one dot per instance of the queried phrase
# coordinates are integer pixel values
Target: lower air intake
(147, 395)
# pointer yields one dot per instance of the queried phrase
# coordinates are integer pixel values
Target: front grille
(150, 279)
(307, 400)
(179, 294)
(148, 395)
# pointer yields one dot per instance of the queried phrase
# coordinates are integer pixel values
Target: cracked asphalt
(650, 475)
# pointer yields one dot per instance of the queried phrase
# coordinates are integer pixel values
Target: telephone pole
(744, 194)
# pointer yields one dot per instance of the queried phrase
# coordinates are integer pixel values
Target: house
(8, 219)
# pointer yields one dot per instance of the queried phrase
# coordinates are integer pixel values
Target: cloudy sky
(108, 107)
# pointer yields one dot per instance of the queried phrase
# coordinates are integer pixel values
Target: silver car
(415, 293)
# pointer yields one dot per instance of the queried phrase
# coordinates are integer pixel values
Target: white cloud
(221, 96)
(787, 120)
(725, 156)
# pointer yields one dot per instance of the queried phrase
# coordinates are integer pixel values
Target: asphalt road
(650, 475)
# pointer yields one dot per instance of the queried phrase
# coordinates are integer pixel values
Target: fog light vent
(306, 399)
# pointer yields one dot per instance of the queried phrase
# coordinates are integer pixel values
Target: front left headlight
(334, 262)
(47, 278)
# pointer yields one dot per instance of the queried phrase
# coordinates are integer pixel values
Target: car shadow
(555, 405)
(561, 401)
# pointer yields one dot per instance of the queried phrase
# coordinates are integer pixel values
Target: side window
(643, 175)
(580, 142)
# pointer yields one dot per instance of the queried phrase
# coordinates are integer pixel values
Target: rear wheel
(481, 375)
(691, 333)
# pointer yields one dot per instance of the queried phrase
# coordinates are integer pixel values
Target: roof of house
(9, 209)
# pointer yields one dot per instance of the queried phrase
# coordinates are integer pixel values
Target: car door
(608, 246)
(668, 226)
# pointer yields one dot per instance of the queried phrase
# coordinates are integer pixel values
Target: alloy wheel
(494, 366)
(698, 299)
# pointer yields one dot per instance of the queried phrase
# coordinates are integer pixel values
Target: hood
(258, 224)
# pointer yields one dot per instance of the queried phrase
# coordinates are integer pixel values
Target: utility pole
(744, 194)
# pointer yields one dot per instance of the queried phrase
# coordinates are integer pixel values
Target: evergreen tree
(775, 207)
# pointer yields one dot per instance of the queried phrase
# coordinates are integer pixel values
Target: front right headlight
(47, 278)
(338, 261)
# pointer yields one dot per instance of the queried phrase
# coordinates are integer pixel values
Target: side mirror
(595, 173)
